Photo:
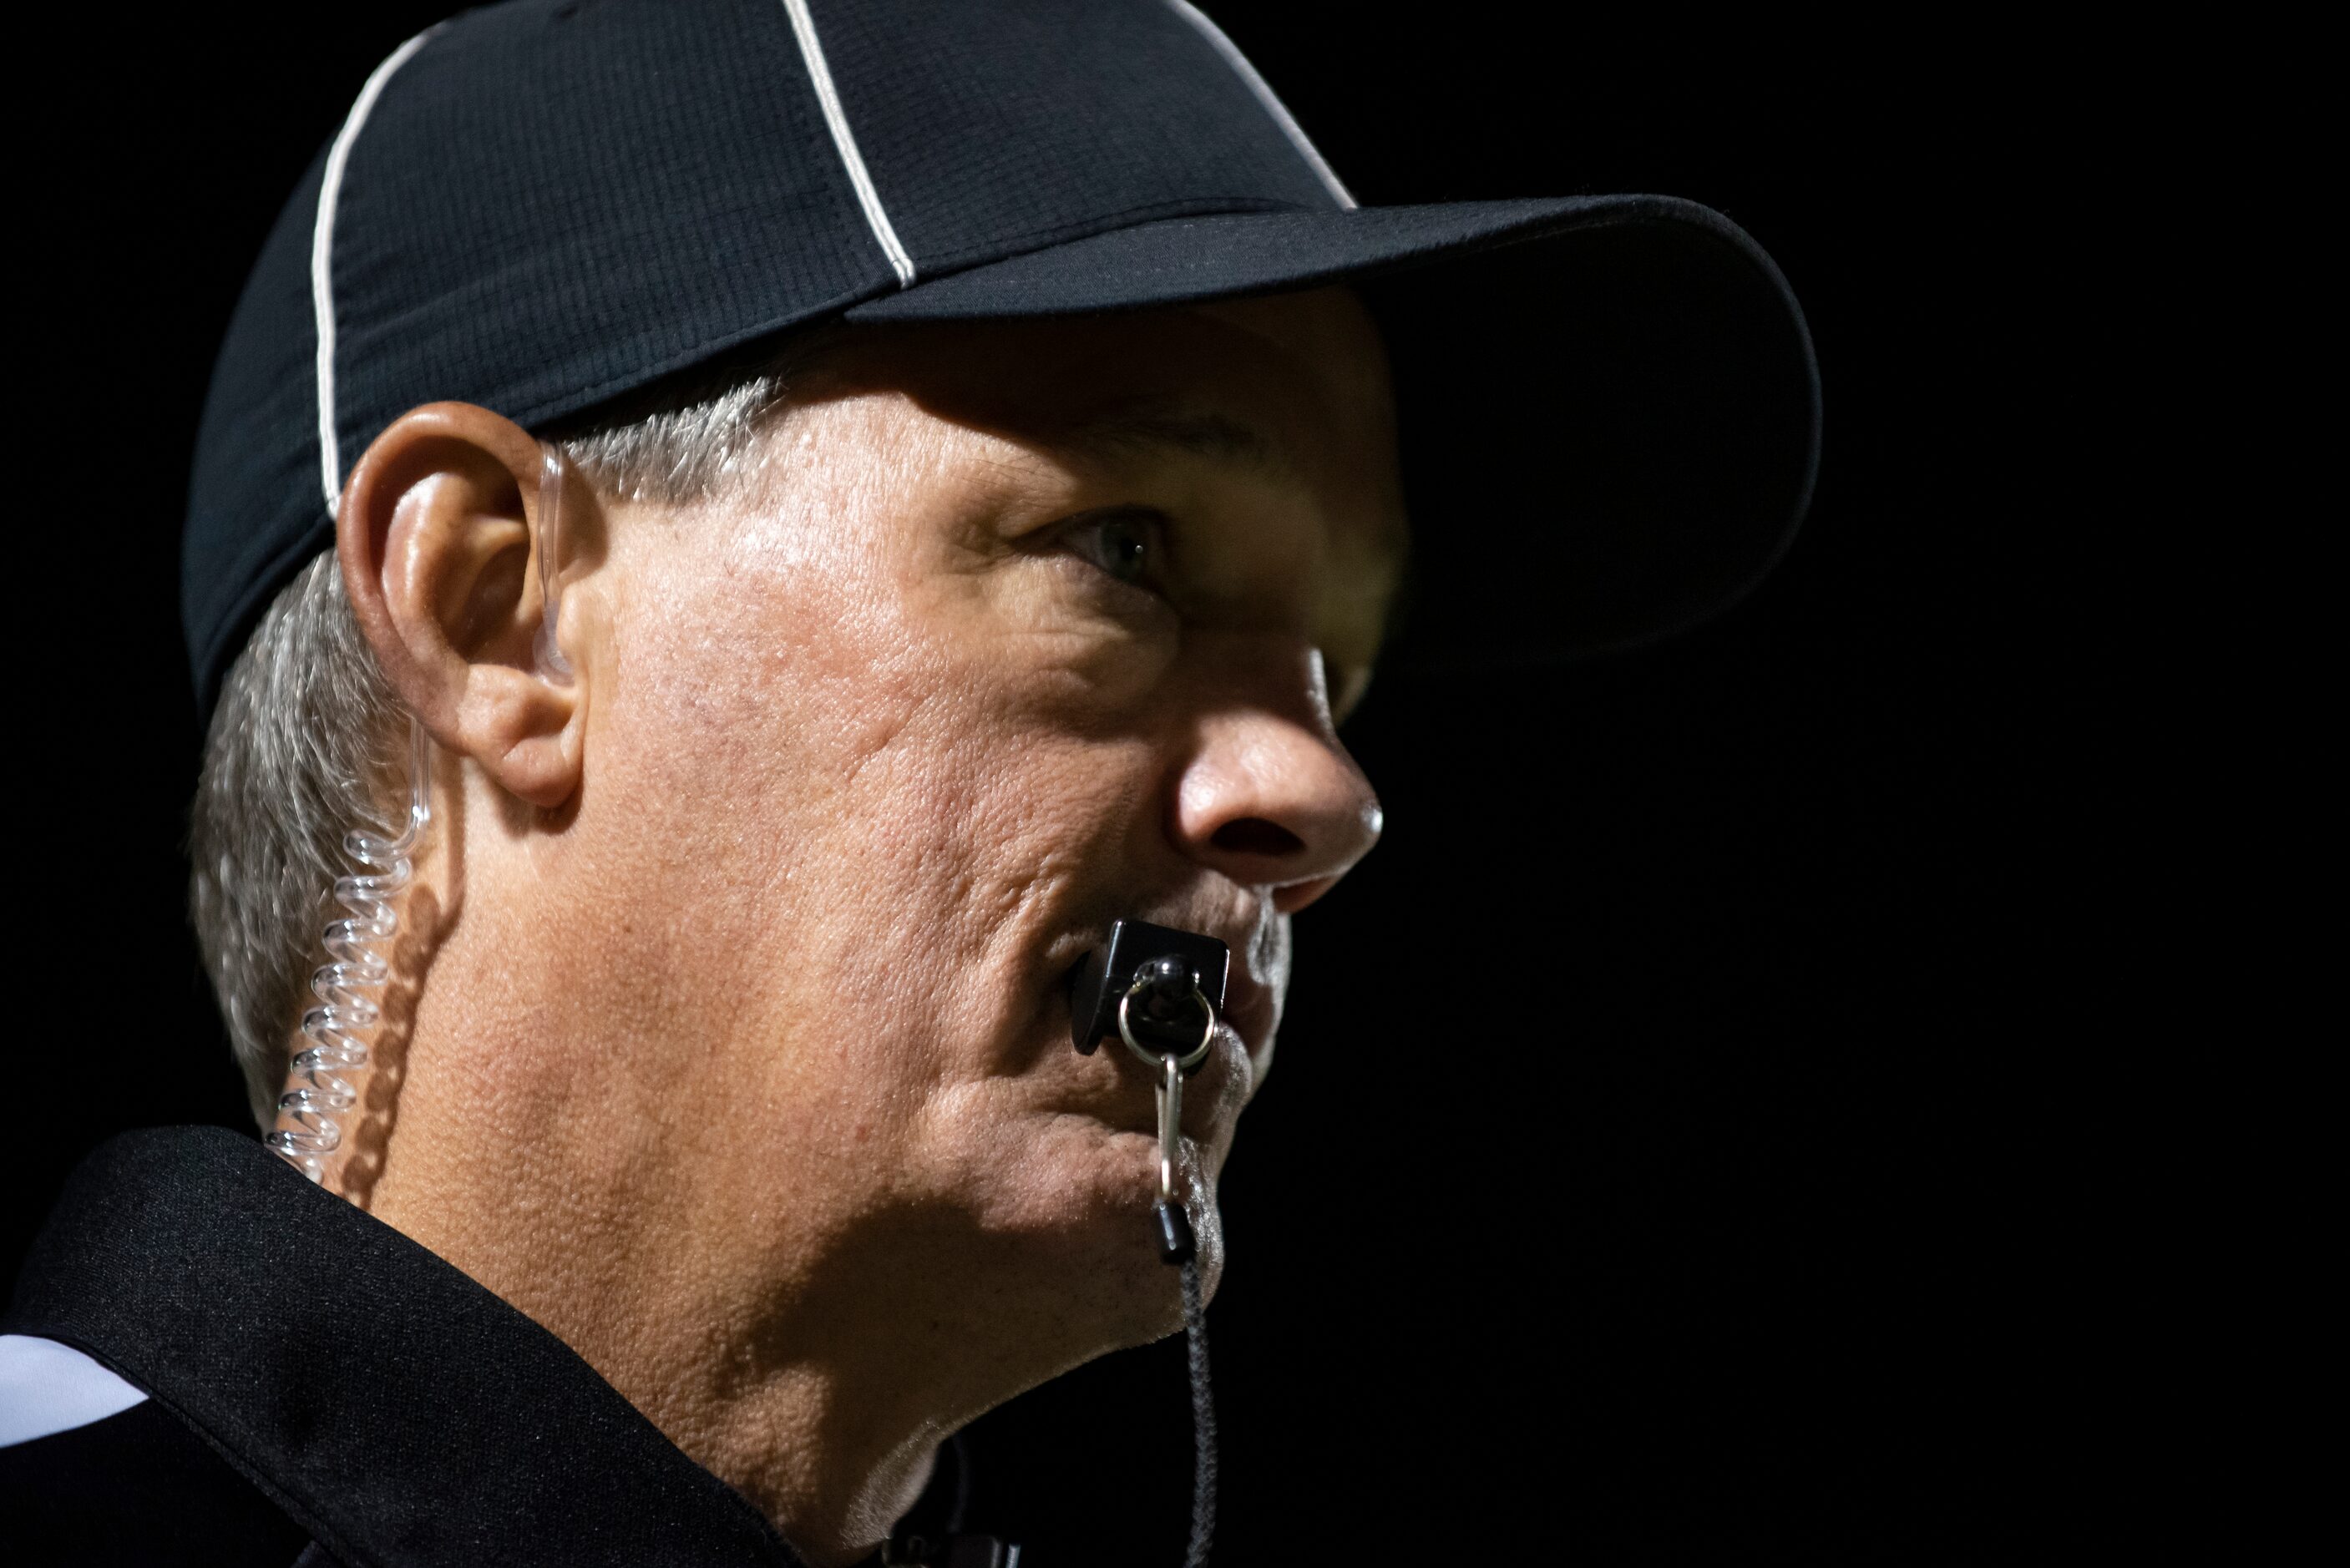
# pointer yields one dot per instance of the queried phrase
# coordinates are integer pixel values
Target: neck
(806, 1345)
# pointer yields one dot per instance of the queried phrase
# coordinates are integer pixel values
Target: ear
(440, 536)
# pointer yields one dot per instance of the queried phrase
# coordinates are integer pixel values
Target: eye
(1128, 543)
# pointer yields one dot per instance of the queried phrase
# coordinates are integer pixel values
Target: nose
(1270, 796)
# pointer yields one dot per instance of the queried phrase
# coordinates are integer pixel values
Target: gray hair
(307, 741)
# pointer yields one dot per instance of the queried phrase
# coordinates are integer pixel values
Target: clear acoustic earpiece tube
(323, 1086)
(320, 1092)
(550, 557)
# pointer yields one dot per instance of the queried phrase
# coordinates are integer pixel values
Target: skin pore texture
(741, 1059)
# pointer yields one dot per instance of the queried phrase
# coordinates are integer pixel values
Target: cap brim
(1608, 405)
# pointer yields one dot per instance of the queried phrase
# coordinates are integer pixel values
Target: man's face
(1021, 628)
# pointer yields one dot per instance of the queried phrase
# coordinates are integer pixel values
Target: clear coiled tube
(319, 1093)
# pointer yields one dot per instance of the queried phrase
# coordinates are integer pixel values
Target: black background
(1687, 1139)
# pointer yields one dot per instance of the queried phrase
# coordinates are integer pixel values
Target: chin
(1077, 1216)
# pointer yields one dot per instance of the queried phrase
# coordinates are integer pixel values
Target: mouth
(1242, 1030)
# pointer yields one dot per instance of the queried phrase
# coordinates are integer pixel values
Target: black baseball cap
(546, 206)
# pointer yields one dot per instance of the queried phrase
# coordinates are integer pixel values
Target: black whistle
(1170, 963)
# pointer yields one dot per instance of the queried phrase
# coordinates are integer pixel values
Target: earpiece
(551, 661)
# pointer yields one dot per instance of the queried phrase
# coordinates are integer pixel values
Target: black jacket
(324, 1391)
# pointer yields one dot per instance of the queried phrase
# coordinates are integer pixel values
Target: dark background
(1689, 1139)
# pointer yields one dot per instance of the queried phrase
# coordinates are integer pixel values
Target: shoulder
(94, 1471)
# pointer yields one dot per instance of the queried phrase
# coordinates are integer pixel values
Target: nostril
(1255, 835)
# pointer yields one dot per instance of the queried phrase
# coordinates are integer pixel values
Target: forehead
(1291, 387)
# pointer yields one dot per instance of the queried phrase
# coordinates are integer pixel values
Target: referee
(734, 547)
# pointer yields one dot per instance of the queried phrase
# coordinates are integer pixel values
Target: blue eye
(1125, 542)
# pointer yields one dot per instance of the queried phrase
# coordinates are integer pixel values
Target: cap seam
(1023, 244)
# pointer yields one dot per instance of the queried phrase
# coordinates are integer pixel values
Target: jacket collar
(398, 1411)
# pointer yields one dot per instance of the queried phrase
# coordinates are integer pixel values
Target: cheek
(857, 815)
(741, 754)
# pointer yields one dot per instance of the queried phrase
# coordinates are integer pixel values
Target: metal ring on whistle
(1150, 1058)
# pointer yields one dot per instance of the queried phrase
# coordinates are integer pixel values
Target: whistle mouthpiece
(1173, 1228)
(1168, 962)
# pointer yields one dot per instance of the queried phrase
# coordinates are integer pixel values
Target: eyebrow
(1123, 432)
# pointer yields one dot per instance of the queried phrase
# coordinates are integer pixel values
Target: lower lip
(1203, 1086)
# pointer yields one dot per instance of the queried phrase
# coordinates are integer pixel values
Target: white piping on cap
(876, 218)
(322, 257)
(1273, 106)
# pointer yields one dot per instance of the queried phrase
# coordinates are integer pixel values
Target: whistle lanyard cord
(1203, 1421)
